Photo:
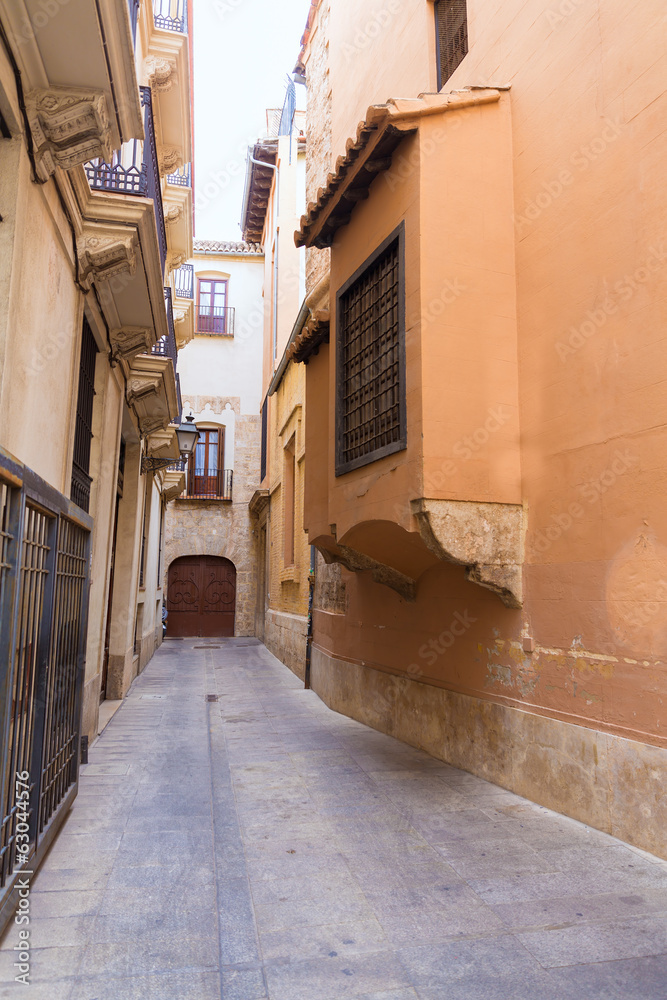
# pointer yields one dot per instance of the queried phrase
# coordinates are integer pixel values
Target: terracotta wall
(587, 145)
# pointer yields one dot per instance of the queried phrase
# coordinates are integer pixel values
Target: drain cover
(211, 697)
(206, 647)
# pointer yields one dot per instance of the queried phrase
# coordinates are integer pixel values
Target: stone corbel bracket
(129, 341)
(357, 562)
(104, 256)
(160, 72)
(174, 260)
(170, 159)
(486, 538)
(69, 127)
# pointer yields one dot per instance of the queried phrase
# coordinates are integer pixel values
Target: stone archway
(201, 596)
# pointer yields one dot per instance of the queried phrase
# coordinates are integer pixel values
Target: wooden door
(201, 597)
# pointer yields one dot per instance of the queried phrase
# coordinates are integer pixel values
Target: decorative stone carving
(129, 341)
(180, 315)
(173, 214)
(141, 386)
(69, 126)
(170, 159)
(104, 257)
(486, 538)
(174, 259)
(161, 73)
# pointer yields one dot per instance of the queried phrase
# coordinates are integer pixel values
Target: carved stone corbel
(170, 159)
(161, 72)
(139, 387)
(486, 538)
(103, 257)
(173, 214)
(68, 126)
(358, 562)
(174, 260)
(129, 341)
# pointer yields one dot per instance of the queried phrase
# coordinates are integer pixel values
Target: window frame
(192, 478)
(217, 280)
(342, 467)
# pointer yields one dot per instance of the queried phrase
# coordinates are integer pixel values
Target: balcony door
(207, 464)
(212, 309)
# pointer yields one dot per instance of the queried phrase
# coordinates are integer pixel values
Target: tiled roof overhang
(385, 127)
(258, 188)
(228, 246)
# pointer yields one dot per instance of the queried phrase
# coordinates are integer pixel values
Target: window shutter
(451, 20)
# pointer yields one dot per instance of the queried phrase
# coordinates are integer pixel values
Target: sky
(243, 53)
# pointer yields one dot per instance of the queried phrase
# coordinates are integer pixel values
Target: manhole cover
(206, 647)
(211, 697)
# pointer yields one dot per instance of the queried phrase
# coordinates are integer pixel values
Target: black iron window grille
(133, 170)
(370, 410)
(172, 15)
(451, 22)
(184, 281)
(44, 574)
(83, 434)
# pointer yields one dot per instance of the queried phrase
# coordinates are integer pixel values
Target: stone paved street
(265, 847)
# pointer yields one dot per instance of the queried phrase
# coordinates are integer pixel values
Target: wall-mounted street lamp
(187, 435)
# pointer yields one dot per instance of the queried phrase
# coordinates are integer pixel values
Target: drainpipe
(309, 634)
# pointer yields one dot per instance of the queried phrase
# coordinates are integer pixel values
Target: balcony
(184, 281)
(133, 170)
(181, 177)
(134, 17)
(171, 15)
(205, 484)
(166, 346)
(215, 321)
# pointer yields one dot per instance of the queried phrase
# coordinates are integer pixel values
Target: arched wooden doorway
(201, 596)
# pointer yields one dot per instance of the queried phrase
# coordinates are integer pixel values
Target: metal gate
(44, 582)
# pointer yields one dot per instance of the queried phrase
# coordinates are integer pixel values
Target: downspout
(309, 634)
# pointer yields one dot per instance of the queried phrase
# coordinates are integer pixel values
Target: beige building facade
(273, 202)
(96, 209)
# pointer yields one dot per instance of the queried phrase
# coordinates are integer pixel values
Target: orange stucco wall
(549, 208)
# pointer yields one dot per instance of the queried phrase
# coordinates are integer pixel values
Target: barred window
(370, 411)
(451, 23)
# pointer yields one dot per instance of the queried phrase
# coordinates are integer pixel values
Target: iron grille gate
(44, 577)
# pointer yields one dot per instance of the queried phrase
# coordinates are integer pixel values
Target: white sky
(243, 52)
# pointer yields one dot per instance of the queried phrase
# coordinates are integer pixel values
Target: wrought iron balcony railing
(134, 170)
(180, 399)
(171, 15)
(181, 177)
(205, 484)
(215, 320)
(166, 346)
(184, 281)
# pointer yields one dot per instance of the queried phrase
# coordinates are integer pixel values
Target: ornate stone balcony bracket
(161, 73)
(102, 257)
(170, 159)
(69, 127)
(129, 341)
(486, 538)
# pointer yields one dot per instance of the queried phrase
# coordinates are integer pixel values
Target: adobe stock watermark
(624, 289)
(429, 653)
(467, 446)
(365, 36)
(558, 15)
(32, 24)
(543, 538)
(581, 160)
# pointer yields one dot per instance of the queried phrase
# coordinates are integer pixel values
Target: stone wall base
(285, 636)
(611, 783)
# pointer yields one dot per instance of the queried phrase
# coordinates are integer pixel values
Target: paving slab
(262, 847)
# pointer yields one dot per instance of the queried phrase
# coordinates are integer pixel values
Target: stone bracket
(69, 127)
(358, 562)
(129, 341)
(486, 538)
(105, 253)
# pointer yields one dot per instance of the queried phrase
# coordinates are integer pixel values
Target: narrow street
(262, 846)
